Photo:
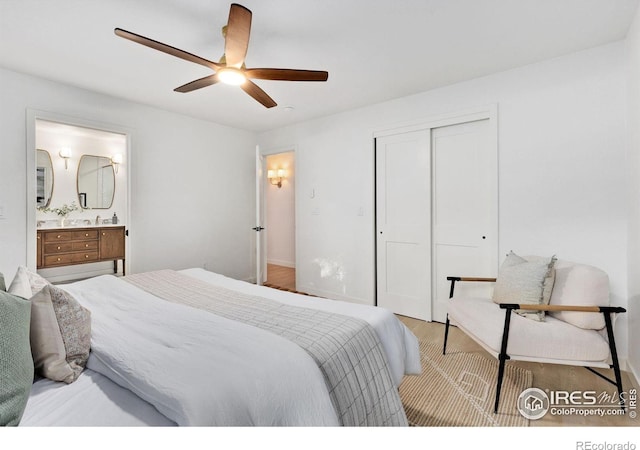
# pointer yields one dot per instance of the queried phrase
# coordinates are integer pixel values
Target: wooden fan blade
(237, 35)
(198, 84)
(287, 74)
(254, 91)
(166, 48)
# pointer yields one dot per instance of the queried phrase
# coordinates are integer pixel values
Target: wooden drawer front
(73, 246)
(70, 258)
(86, 245)
(60, 247)
(58, 236)
(85, 256)
(86, 234)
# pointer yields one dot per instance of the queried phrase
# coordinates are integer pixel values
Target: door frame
(274, 151)
(473, 114)
(31, 117)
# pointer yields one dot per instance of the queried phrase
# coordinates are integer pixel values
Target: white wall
(562, 159)
(192, 181)
(633, 167)
(280, 212)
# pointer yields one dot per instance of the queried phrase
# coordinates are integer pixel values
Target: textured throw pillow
(16, 364)
(26, 283)
(525, 281)
(549, 280)
(60, 334)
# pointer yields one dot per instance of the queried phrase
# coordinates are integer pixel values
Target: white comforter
(400, 344)
(200, 369)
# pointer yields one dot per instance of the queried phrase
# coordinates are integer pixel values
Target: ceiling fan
(231, 68)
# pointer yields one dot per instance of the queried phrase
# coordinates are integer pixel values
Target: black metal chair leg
(446, 335)
(499, 385)
(446, 325)
(614, 357)
(502, 357)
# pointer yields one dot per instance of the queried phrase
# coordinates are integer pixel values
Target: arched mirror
(96, 182)
(44, 178)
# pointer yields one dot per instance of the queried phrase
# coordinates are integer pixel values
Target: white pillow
(524, 281)
(26, 283)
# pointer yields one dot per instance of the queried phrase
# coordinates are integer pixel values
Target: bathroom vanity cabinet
(68, 246)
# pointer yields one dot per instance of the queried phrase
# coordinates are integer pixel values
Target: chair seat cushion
(553, 339)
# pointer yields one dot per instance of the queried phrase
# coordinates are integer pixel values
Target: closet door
(403, 222)
(464, 209)
(436, 214)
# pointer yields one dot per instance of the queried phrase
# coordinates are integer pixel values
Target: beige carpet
(458, 389)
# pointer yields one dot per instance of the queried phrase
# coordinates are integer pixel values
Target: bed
(195, 348)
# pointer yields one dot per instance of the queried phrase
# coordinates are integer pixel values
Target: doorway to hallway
(279, 196)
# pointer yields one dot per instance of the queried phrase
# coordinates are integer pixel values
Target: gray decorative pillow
(60, 334)
(16, 365)
(525, 281)
(26, 283)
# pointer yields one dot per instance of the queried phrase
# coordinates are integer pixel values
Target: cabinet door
(112, 243)
(39, 250)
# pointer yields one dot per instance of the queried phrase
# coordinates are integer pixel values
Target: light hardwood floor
(545, 376)
(281, 277)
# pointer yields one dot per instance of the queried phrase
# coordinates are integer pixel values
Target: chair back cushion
(582, 285)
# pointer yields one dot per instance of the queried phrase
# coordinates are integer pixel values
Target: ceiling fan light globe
(231, 76)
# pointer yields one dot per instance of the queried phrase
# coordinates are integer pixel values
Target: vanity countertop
(52, 226)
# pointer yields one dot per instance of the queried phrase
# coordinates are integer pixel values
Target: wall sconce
(65, 154)
(116, 160)
(275, 177)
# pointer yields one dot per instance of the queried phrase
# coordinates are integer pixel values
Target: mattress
(289, 385)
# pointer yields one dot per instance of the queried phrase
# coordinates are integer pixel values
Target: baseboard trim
(278, 262)
(332, 295)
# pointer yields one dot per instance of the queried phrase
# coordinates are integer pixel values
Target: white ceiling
(374, 50)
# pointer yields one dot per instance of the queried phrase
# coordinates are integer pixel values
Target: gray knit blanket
(347, 350)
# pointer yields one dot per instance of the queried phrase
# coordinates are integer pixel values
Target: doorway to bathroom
(79, 192)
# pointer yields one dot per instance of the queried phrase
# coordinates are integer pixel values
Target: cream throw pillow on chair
(525, 281)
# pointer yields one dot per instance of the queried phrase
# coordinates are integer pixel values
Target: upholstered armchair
(542, 310)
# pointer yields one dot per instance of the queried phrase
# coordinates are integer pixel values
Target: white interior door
(261, 254)
(403, 205)
(464, 209)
